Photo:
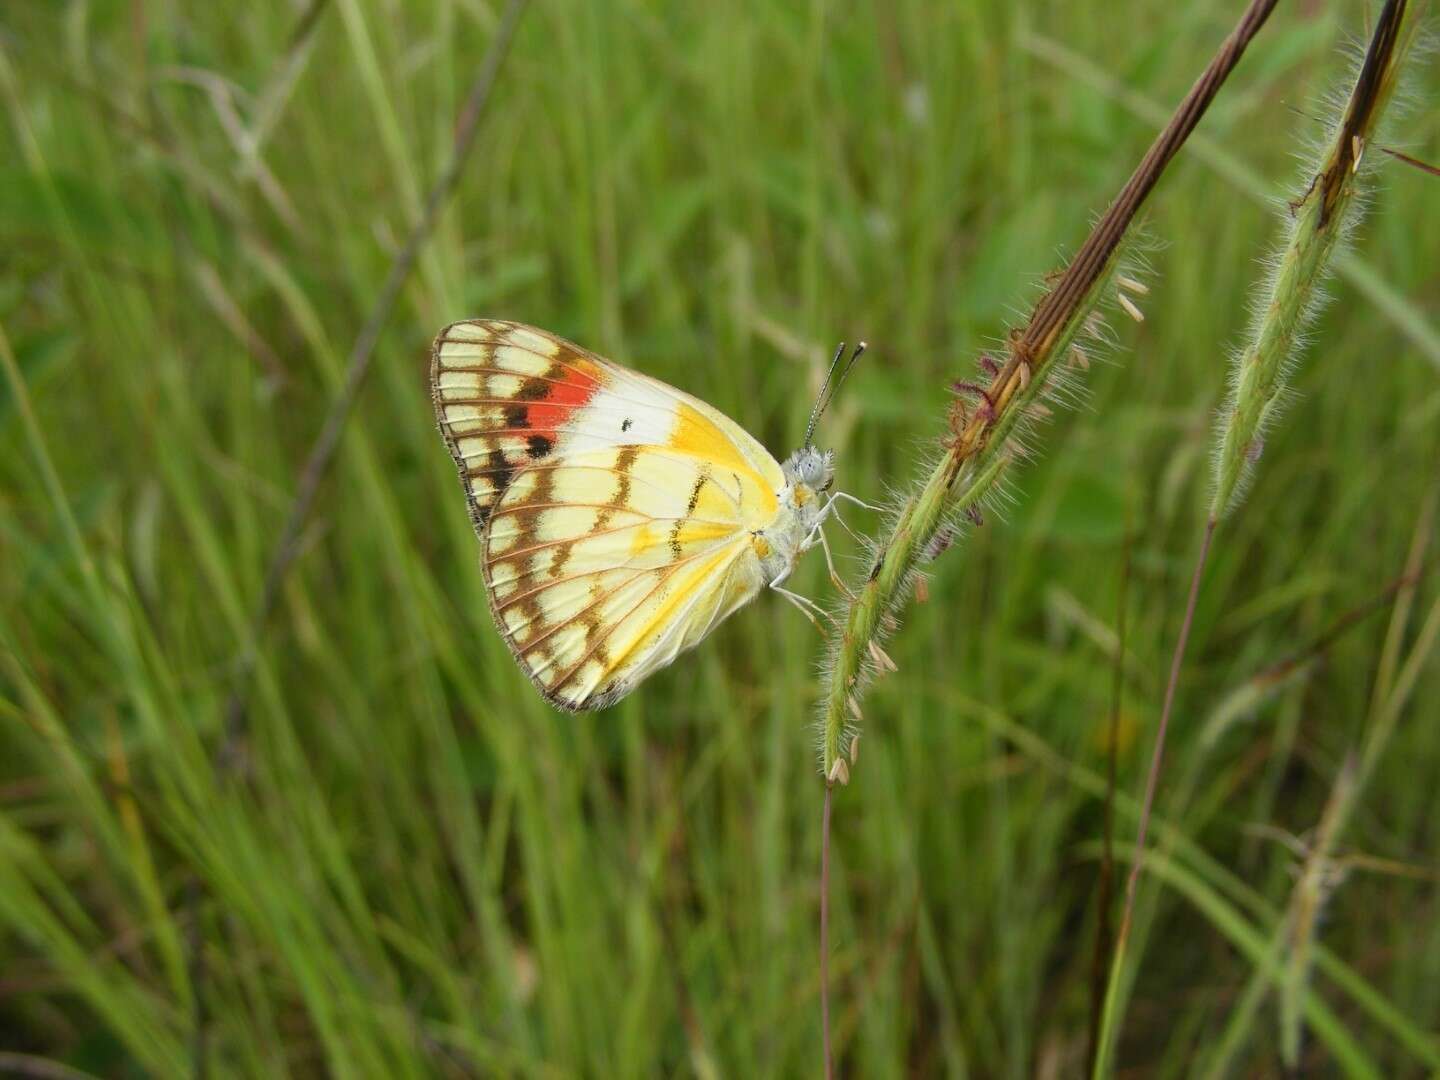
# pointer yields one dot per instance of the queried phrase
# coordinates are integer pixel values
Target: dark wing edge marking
(533, 390)
(452, 442)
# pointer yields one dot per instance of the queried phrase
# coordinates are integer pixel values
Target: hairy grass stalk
(1317, 223)
(981, 443)
(982, 437)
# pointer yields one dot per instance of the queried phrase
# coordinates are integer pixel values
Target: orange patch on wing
(545, 414)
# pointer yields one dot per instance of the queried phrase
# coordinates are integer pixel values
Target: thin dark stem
(1035, 344)
(1104, 924)
(1423, 166)
(1153, 777)
(33, 1065)
(825, 932)
(317, 464)
(1052, 312)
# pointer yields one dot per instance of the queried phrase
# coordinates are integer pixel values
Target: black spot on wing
(538, 446)
(535, 388)
(625, 424)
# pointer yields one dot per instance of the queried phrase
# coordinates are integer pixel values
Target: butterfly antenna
(859, 351)
(819, 406)
(827, 395)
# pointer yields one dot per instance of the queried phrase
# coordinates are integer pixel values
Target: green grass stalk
(1294, 944)
(322, 451)
(1317, 879)
(1104, 886)
(1318, 222)
(981, 444)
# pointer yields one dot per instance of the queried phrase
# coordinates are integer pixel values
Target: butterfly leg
(817, 535)
(835, 578)
(831, 510)
(807, 607)
(834, 512)
(857, 501)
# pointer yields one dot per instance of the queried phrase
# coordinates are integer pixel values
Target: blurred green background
(426, 871)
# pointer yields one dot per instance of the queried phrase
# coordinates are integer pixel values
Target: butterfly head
(808, 473)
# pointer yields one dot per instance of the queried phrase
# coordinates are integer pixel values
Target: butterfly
(620, 519)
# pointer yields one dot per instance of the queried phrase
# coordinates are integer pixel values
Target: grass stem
(980, 444)
(979, 447)
(1317, 224)
(1099, 1063)
(1104, 928)
(322, 451)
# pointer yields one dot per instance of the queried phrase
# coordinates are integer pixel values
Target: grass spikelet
(987, 418)
(1317, 223)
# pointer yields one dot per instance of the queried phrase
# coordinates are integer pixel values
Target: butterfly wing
(615, 512)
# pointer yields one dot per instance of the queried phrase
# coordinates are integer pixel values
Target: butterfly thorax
(808, 474)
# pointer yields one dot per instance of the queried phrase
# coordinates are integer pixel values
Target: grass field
(422, 869)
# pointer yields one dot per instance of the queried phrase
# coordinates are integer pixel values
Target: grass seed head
(1318, 224)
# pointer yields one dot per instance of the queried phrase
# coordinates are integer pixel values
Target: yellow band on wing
(695, 434)
(681, 592)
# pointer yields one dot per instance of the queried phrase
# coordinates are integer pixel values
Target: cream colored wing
(604, 566)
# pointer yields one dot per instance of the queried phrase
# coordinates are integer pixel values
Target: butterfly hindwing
(615, 512)
(592, 591)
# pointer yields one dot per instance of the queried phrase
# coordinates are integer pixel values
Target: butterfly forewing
(615, 512)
